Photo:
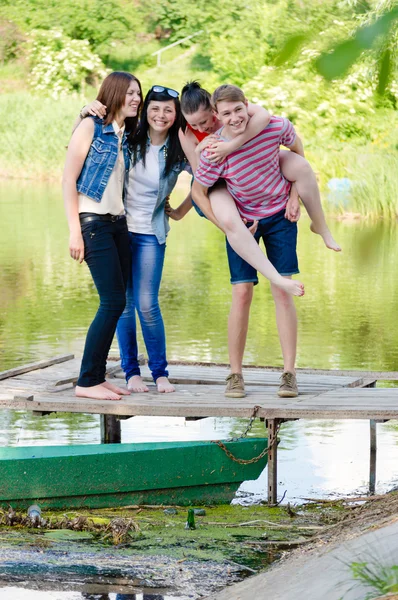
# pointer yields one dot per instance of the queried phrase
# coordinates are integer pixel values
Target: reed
(373, 181)
(34, 133)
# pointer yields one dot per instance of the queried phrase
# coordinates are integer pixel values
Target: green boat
(111, 475)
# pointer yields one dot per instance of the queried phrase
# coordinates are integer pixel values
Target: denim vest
(160, 221)
(100, 160)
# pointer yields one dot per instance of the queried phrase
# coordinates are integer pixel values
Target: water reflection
(350, 300)
(350, 297)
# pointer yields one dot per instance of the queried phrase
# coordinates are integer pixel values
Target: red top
(198, 134)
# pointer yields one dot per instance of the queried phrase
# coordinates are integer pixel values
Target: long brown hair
(113, 92)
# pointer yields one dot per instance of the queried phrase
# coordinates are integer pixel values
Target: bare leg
(286, 321)
(98, 392)
(238, 323)
(296, 168)
(244, 244)
(164, 386)
(136, 384)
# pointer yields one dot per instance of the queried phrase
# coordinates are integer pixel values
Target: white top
(142, 192)
(112, 198)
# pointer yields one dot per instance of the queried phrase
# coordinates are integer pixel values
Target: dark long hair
(193, 97)
(113, 92)
(139, 141)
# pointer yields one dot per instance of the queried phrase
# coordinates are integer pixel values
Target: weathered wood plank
(205, 401)
(378, 375)
(207, 375)
(41, 364)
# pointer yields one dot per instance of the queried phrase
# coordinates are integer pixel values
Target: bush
(61, 65)
(10, 41)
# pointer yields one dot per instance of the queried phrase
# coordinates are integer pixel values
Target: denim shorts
(220, 182)
(280, 239)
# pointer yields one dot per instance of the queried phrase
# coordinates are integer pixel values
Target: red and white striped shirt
(252, 173)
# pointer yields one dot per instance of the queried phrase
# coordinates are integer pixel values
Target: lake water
(347, 320)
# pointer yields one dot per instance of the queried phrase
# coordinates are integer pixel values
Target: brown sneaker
(288, 385)
(235, 386)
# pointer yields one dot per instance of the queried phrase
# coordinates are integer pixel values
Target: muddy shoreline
(146, 548)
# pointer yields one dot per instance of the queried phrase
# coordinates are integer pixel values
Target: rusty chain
(243, 461)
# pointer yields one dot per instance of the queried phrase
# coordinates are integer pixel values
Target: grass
(373, 176)
(379, 578)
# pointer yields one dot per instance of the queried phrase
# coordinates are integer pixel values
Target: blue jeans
(106, 252)
(142, 295)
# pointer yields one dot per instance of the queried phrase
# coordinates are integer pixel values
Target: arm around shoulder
(259, 119)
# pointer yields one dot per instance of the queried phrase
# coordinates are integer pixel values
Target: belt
(87, 217)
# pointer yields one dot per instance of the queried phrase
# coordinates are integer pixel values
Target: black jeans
(107, 254)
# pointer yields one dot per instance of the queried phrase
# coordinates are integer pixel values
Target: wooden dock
(47, 387)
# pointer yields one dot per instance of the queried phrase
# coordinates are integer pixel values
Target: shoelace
(235, 381)
(287, 378)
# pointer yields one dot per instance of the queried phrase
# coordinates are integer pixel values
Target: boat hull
(110, 475)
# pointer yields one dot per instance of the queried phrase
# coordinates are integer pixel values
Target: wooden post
(373, 449)
(373, 454)
(272, 463)
(110, 430)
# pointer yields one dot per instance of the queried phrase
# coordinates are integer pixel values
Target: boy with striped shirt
(254, 179)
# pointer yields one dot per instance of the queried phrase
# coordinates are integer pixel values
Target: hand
(218, 151)
(172, 213)
(95, 108)
(76, 246)
(253, 226)
(292, 212)
(210, 139)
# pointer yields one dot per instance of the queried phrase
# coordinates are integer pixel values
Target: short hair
(194, 97)
(112, 94)
(227, 93)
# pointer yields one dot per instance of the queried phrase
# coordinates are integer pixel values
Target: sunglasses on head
(160, 88)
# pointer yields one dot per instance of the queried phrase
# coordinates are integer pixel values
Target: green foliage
(61, 65)
(338, 62)
(35, 146)
(101, 23)
(381, 579)
(342, 110)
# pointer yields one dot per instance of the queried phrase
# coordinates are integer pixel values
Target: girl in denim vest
(93, 185)
(156, 161)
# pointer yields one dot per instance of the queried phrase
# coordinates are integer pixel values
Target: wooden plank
(41, 364)
(378, 375)
(205, 401)
(111, 369)
(207, 375)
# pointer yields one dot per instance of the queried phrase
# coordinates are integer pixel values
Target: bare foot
(164, 386)
(98, 392)
(115, 388)
(136, 384)
(327, 238)
(291, 286)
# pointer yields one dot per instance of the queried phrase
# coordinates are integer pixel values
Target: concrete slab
(323, 574)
